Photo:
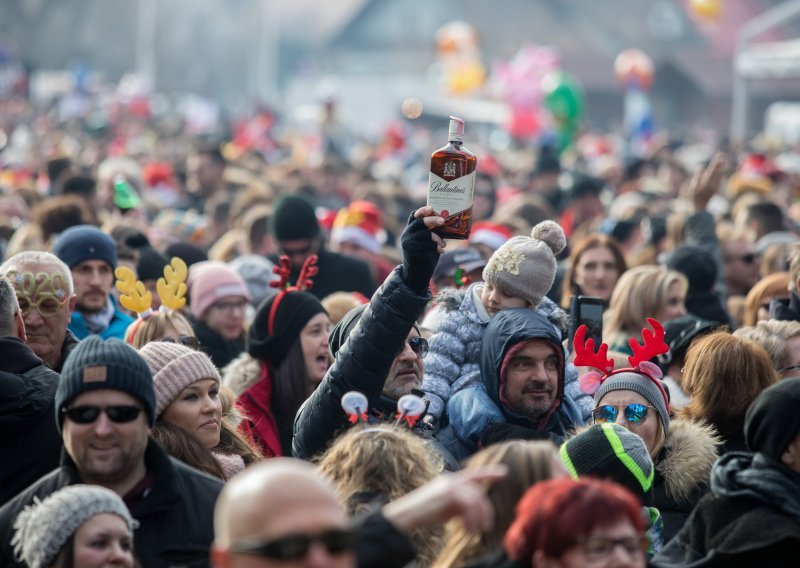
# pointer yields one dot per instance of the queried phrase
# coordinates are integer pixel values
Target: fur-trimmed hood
(241, 373)
(689, 453)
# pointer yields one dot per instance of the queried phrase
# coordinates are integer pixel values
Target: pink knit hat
(175, 367)
(210, 281)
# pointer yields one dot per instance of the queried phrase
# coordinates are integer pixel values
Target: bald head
(272, 500)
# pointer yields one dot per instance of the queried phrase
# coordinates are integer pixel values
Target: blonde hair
(528, 463)
(774, 285)
(338, 304)
(724, 374)
(640, 293)
(385, 462)
(155, 327)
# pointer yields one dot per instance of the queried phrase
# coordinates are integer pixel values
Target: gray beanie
(639, 383)
(526, 267)
(96, 364)
(42, 529)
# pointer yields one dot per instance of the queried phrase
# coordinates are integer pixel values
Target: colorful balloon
(563, 96)
(634, 68)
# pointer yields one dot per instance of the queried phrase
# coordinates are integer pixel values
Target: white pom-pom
(551, 234)
(354, 402)
(411, 405)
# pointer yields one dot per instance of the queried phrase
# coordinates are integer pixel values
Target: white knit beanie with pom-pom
(526, 267)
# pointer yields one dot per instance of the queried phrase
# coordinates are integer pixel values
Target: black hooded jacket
(30, 445)
(751, 517)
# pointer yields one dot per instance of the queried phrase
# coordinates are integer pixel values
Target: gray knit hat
(42, 529)
(526, 267)
(112, 364)
(639, 383)
(610, 451)
(175, 367)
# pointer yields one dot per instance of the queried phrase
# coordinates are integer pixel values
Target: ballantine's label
(452, 196)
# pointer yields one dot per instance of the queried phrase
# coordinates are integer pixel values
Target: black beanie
(697, 265)
(151, 264)
(188, 253)
(95, 364)
(610, 451)
(772, 421)
(294, 310)
(294, 219)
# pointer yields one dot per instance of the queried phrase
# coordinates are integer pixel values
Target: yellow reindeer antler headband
(133, 294)
(172, 287)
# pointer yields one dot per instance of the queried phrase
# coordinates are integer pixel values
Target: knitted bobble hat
(294, 311)
(610, 451)
(175, 367)
(42, 529)
(85, 242)
(526, 267)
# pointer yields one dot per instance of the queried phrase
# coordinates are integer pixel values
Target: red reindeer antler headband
(585, 355)
(304, 283)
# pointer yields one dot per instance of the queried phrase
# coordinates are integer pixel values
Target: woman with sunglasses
(80, 526)
(683, 451)
(287, 357)
(191, 421)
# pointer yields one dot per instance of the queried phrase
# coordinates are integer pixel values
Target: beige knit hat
(175, 367)
(526, 267)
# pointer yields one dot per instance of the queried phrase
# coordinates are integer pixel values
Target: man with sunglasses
(46, 296)
(27, 391)
(377, 346)
(105, 408)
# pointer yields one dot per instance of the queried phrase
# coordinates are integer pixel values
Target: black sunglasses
(88, 414)
(296, 546)
(185, 340)
(419, 345)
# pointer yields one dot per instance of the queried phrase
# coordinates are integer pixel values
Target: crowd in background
(251, 348)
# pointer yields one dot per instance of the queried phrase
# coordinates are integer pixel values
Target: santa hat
(493, 235)
(359, 223)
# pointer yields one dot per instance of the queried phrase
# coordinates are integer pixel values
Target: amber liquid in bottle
(451, 183)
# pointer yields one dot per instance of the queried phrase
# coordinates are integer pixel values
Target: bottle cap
(456, 133)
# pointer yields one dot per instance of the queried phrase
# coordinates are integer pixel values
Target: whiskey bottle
(451, 183)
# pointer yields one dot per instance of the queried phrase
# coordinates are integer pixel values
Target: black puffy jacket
(30, 445)
(361, 364)
(176, 517)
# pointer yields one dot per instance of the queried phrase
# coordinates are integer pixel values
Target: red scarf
(255, 402)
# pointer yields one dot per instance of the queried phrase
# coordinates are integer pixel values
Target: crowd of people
(240, 355)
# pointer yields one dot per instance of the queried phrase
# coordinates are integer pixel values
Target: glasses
(601, 548)
(295, 547)
(419, 345)
(88, 414)
(47, 306)
(635, 413)
(185, 340)
(748, 258)
(229, 307)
